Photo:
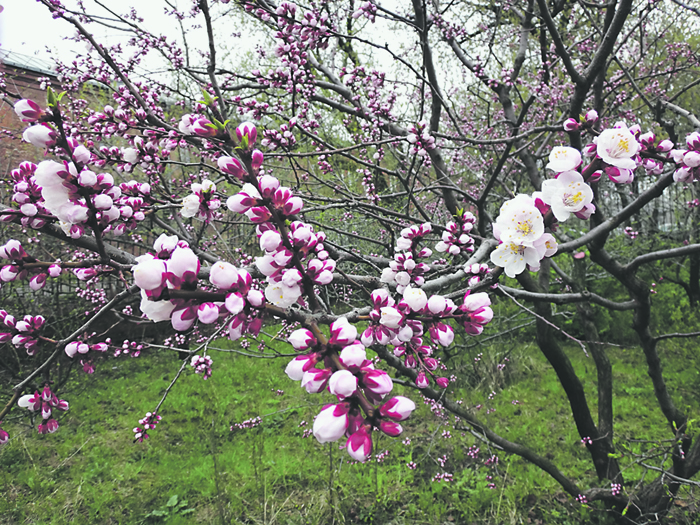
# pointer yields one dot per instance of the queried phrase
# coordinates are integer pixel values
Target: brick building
(23, 75)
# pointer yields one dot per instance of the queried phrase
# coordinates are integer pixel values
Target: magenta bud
(391, 428)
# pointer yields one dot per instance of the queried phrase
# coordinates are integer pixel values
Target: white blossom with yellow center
(616, 146)
(566, 194)
(520, 222)
(563, 158)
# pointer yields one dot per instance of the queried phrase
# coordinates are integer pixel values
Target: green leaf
(172, 501)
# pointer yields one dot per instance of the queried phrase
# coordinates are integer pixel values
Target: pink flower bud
(40, 135)
(234, 303)
(300, 364)
(149, 273)
(268, 185)
(342, 384)
(223, 275)
(182, 319)
(442, 382)
(314, 380)
(391, 428)
(377, 381)
(359, 445)
(28, 110)
(397, 408)
(422, 380)
(256, 158)
(571, 125)
(270, 240)
(208, 313)
(256, 298)
(204, 128)
(331, 423)
(302, 339)
(342, 332)
(353, 356)
(247, 129)
(232, 166)
(591, 116)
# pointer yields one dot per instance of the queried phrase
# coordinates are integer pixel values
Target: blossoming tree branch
(373, 196)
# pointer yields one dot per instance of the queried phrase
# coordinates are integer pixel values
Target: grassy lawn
(195, 469)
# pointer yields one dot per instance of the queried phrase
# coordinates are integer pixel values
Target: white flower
(149, 273)
(617, 146)
(190, 206)
(566, 194)
(156, 310)
(520, 221)
(514, 257)
(391, 317)
(130, 155)
(415, 298)
(281, 295)
(563, 158)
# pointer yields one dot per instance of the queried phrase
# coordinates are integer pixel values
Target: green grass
(90, 471)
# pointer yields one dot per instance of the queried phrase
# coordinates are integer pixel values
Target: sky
(27, 27)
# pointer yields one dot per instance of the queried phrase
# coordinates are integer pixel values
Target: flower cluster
(174, 267)
(201, 202)
(148, 423)
(688, 161)
(23, 333)
(420, 139)
(456, 238)
(368, 10)
(44, 402)
(520, 229)
(404, 271)
(202, 365)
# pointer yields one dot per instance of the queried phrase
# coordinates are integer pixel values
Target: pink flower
(563, 158)
(359, 445)
(616, 146)
(397, 408)
(331, 423)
